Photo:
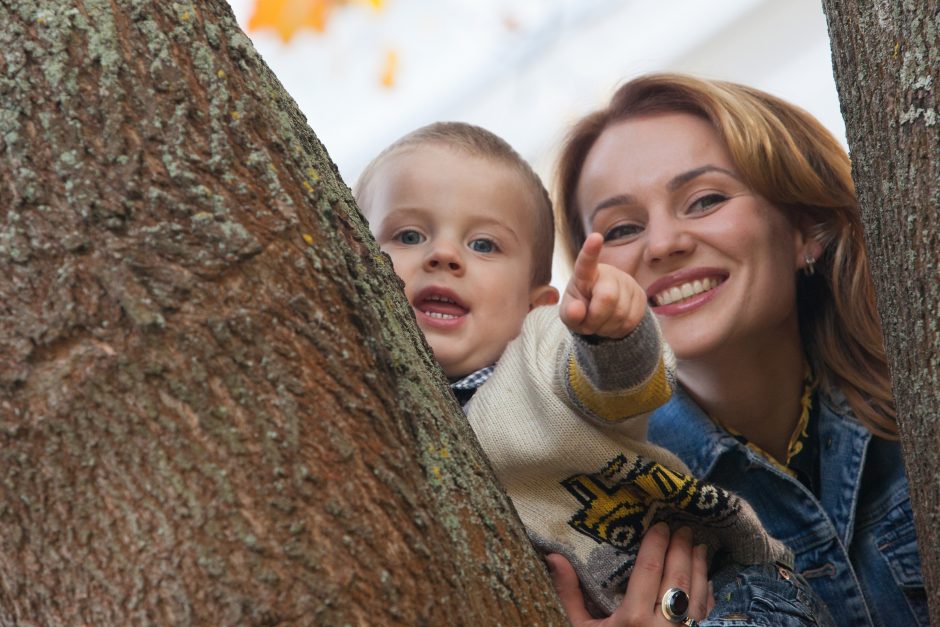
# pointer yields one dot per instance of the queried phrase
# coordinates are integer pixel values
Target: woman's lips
(684, 290)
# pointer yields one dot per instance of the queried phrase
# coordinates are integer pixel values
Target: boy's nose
(444, 257)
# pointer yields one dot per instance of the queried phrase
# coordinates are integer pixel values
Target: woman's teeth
(686, 290)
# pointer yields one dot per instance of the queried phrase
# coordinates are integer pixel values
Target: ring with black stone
(675, 607)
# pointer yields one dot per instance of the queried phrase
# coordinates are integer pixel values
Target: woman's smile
(684, 290)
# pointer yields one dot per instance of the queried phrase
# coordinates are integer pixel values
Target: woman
(736, 212)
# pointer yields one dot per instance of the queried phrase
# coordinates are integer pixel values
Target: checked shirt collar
(464, 387)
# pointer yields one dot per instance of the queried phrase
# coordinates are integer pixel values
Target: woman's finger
(698, 594)
(643, 587)
(677, 572)
(568, 589)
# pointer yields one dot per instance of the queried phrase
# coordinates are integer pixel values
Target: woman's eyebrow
(681, 179)
(613, 201)
(675, 183)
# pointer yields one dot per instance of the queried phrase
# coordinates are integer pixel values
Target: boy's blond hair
(478, 142)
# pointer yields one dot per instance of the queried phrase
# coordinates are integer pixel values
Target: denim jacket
(764, 595)
(855, 543)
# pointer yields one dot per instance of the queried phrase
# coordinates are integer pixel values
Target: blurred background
(366, 72)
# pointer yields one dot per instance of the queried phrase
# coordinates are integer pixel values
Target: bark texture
(887, 64)
(215, 406)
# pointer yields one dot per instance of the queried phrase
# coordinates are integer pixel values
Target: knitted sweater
(558, 420)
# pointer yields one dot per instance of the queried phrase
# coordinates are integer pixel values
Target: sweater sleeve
(612, 380)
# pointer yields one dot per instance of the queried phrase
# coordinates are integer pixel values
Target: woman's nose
(666, 236)
(444, 256)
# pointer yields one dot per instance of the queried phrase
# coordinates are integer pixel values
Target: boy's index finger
(585, 266)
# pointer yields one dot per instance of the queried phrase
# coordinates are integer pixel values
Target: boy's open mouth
(439, 304)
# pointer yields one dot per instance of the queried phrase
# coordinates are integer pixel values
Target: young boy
(559, 395)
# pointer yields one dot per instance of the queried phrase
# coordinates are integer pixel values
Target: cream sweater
(563, 422)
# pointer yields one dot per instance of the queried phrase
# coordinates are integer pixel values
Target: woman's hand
(662, 563)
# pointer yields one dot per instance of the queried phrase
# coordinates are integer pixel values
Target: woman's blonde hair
(785, 155)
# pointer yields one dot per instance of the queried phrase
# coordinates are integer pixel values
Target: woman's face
(717, 261)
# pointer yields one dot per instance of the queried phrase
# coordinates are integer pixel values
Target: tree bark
(215, 406)
(887, 64)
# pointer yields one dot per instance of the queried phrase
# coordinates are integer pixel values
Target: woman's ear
(809, 248)
(814, 248)
(808, 254)
(542, 295)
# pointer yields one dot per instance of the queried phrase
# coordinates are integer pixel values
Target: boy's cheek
(440, 356)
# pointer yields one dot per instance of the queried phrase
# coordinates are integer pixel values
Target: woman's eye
(706, 202)
(482, 246)
(622, 231)
(409, 237)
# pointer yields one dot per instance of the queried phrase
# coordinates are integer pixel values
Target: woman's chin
(691, 345)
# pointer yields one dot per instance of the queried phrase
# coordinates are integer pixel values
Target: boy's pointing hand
(600, 299)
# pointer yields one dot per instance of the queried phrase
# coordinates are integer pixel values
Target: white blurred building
(526, 69)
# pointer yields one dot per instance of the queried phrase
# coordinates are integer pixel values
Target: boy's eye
(409, 237)
(622, 231)
(707, 202)
(483, 245)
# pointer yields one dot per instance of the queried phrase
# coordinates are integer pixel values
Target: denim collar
(685, 429)
(682, 427)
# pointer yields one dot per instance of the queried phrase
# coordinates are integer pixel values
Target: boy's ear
(542, 295)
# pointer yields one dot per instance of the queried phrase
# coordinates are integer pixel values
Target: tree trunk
(887, 65)
(215, 406)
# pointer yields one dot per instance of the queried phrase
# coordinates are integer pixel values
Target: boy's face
(459, 231)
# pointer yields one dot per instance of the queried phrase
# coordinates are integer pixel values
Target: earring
(810, 268)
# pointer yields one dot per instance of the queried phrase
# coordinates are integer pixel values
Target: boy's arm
(616, 365)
